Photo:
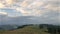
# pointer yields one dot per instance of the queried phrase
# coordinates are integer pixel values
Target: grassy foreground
(26, 30)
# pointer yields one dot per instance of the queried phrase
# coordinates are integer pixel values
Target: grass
(25, 30)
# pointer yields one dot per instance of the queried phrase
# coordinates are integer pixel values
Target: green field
(32, 29)
(25, 30)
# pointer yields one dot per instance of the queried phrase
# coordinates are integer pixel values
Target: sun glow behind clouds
(1, 5)
(9, 1)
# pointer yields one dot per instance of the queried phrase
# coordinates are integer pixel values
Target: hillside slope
(25, 30)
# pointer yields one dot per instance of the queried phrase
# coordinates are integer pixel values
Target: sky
(42, 11)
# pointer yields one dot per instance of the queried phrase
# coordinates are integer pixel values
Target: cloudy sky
(41, 11)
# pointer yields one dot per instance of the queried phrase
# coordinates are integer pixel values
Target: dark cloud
(47, 18)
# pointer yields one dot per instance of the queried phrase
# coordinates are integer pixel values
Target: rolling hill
(25, 30)
(34, 29)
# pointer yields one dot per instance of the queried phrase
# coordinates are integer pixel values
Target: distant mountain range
(8, 27)
(14, 27)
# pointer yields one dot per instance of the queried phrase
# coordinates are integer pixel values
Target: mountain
(8, 27)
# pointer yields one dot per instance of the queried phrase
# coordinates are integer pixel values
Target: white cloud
(51, 7)
(4, 13)
(24, 12)
(24, 9)
(31, 7)
(35, 4)
(2, 5)
(9, 1)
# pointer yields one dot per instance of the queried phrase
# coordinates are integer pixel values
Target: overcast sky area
(29, 12)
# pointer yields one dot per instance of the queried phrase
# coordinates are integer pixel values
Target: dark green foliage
(20, 27)
(53, 29)
(24, 26)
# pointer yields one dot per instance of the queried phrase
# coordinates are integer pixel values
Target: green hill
(25, 30)
(33, 29)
